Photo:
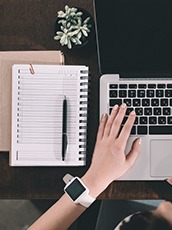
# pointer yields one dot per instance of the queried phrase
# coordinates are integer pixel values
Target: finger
(118, 120)
(169, 180)
(102, 125)
(134, 152)
(110, 120)
(126, 130)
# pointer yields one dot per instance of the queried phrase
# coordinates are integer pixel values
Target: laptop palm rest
(161, 158)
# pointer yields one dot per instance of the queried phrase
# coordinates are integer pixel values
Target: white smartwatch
(77, 191)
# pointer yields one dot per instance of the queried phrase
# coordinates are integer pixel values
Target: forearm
(60, 216)
(64, 212)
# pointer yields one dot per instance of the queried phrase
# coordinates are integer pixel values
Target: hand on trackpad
(161, 158)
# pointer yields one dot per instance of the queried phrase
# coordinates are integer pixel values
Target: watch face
(75, 189)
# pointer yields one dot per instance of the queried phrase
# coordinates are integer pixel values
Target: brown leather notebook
(7, 60)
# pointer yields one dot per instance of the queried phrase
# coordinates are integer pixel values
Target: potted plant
(73, 27)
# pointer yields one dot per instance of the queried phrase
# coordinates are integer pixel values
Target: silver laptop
(134, 40)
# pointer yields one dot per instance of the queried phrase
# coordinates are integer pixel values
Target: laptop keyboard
(151, 102)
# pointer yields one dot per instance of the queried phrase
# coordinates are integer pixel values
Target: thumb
(133, 154)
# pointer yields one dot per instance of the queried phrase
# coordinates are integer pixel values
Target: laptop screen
(134, 36)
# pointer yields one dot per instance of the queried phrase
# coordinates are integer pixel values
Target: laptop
(134, 39)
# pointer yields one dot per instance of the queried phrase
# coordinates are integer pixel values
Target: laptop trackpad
(161, 158)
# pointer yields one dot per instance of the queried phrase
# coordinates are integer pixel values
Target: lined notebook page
(37, 108)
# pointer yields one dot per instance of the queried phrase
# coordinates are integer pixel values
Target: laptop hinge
(143, 76)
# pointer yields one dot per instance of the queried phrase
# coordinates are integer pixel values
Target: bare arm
(109, 163)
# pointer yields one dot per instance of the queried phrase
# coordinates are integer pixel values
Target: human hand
(109, 159)
(164, 210)
(169, 180)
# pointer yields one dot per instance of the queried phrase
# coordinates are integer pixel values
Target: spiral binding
(83, 112)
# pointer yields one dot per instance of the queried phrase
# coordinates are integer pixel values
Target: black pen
(64, 129)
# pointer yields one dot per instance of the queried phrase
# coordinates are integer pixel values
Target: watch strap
(86, 200)
(67, 178)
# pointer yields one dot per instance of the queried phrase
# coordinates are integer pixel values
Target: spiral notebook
(37, 115)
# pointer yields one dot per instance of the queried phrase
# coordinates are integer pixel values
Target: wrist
(94, 182)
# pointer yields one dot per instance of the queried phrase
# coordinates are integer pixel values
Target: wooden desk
(29, 25)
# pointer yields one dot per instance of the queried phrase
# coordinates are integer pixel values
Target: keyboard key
(113, 93)
(136, 121)
(158, 130)
(123, 86)
(168, 93)
(143, 120)
(148, 111)
(154, 102)
(161, 120)
(161, 86)
(115, 101)
(133, 130)
(151, 86)
(152, 120)
(141, 93)
(169, 86)
(136, 102)
(139, 111)
(169, 120)
(113, 86)
(127, 102)
(159, 93)
(145, 102)
(132, 86)
(170, 102)
(129, 110)
(110, 110)
(166, 111)
(142, 130)
(164, 102)
(122, 93)
(131, 93)
(142, 86)
(157, 111)
(150, 93)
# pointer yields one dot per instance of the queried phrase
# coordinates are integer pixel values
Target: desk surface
(29, 25)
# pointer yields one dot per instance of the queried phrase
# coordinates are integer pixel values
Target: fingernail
(123, 105)
(133, 112)
(140, 141)
(115, 107)
(104, 115)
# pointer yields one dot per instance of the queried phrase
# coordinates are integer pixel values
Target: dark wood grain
(29, 25)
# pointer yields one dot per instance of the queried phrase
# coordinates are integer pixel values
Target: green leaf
(61, 14)
(74, 9)
(64, 23)
(59, 33)
(62, 40)
(86, 20)
(69, 45)
(79, 35)
(79, 13)
(66, 7)
(73, 40)
(85, 33)
(57, 37)
(78, 41)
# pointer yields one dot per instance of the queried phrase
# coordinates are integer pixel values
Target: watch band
(87, 200)
(67, 178)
